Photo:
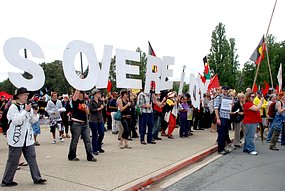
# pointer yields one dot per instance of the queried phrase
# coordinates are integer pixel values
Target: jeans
(78, 129)
(270, 132)
(157, 122)
(183, 127)
(147, 119)
(250, 130)
(97, 128)
(13, 161)
(126, 123)
(223, 133)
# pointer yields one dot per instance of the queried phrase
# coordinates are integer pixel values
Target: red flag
(109, 86)
(214, 82)
(265, 89)
(150, 50)
(203, 79)
(255, 88)
(258, 54)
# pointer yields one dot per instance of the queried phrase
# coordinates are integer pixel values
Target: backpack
(272, 110)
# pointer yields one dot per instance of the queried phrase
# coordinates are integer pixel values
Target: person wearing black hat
(222, 106)
(20, 138)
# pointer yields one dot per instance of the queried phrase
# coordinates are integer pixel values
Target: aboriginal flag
(150, 50)
(258, 55)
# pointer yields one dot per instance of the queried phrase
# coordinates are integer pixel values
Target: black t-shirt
(79, 110)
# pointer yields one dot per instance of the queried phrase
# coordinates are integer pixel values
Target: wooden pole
(268, 62)
(258, 65)
(266, 50)
(81, 62)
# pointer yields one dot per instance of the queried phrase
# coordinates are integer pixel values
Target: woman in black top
(124, 105)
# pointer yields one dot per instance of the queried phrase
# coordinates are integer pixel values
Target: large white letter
(194, 91)
(155, 76)
(11, 52)
(69, 54)
(122, 69)
(182, 81)
(105, 67)
(166, 73)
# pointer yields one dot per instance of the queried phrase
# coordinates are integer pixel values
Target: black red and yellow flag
(259, 53)
(150, 50)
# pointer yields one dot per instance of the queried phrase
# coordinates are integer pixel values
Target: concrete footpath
(116, 169)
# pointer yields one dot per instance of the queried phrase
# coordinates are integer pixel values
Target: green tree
(55, 79)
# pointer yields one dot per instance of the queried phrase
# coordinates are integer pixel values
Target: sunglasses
(252, 96)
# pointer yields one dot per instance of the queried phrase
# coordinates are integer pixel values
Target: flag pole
(266, 50)
(258, 65)
(268, 62)
(81, 62)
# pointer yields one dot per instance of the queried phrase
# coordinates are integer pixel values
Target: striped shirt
(144, 100)
(217, 105)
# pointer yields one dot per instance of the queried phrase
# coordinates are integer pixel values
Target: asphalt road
(239, 171)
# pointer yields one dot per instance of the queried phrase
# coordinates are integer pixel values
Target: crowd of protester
(146, 116)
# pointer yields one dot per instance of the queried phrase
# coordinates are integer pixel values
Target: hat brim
(31, 94)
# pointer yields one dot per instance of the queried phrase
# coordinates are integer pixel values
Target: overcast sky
(181, 29)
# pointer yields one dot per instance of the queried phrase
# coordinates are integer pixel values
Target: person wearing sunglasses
(251, 120)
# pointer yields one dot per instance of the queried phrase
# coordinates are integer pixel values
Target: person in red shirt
(251, 120)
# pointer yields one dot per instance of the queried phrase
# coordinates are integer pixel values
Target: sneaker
(37, 143)
(61, 140)
(223, 152)
(253, 153)
(95, 153)
(273, 148)
(101, 151)
(231, 146)
(75, 159)
(93, 160)
(40, 181)
(53, 142)
(5, 184)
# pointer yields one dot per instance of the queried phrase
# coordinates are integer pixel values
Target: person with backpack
(278, 123)
(271, 108)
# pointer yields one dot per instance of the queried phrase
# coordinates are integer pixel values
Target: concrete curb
(159, 175)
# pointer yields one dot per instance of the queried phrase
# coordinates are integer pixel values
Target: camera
(35, 105)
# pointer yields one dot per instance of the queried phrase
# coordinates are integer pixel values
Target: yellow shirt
(256, 102)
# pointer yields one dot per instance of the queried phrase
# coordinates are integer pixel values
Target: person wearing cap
(222, 106)
(66, 115)
(20, 138)
(79, 127)
(96, 122)
(263, 113)
(172, 113)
